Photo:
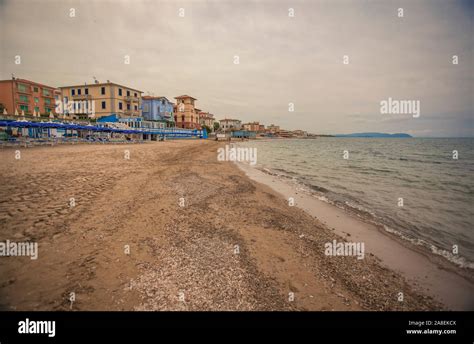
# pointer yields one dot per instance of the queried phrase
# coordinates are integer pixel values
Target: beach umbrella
(5, 112)
(51, 115)
(34, 113)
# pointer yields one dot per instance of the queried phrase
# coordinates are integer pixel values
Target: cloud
(282, 59)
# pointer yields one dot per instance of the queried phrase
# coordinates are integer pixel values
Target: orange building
(28, 96)
(185, 113)
(207, 119)
(253, 126)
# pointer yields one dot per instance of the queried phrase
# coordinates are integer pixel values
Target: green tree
(216, 126)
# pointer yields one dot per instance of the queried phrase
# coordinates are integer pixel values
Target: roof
(153, 97)
(230, 119)
(184, 96)
(27, 81)
(101, 84)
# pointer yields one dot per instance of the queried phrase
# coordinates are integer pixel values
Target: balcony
(25, 90)
(81, 96)
(131, 99)
(19, 100)
(131, 112)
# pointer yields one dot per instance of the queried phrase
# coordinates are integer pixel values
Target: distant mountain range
(374, 135)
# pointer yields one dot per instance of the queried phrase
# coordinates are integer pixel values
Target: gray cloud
(282, 59)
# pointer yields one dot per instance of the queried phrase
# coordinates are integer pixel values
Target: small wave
(340, 201)
(456, 259)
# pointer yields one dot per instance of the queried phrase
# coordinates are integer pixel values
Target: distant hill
(383, 135)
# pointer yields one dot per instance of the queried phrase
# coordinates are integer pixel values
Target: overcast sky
(282, 59)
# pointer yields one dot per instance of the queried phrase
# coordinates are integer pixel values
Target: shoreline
(233, 244)
(437, 277)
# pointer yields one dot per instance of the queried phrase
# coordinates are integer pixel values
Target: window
(102, 91)
(128, 93)
(78, 91)
(86, 91)
(135, 94)
(146, 107)
(73, 92)
(120, 105)
(103, 103)
(46, 92)
(120, 91)
(21, 88)
(35, 89)
(24, 108)
(47, 101)
(136, 107)
(24, 98)
(47, 110)
(128, 106)
(37, 109)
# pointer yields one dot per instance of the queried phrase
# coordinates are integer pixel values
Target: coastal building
(158, 109)
(253, 126)
(230, 124)
(109, 99)
(132, 122)
(207, 119)
(185, 115)
(285, 133)
(27, 96)
(300, 133)
(273, 129)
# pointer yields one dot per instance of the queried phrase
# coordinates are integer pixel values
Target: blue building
(158, 109)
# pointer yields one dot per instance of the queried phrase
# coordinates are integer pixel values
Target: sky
(282, 59)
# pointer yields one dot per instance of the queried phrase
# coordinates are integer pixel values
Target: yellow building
(108, 99)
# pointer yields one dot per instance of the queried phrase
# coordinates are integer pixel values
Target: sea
(420, 189)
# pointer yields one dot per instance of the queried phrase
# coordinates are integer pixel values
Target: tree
(207, 128)
(216, 126)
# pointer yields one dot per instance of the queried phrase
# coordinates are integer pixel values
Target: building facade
(230, 124)
(185, 115)
(207, 119)
(273, 129)
(158, 109)
(253, 126)
(108, 99)
(26, 96)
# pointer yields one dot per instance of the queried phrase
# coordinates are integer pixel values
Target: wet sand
(234, 245)
(437, 277)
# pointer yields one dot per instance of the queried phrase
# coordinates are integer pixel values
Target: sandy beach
(172, 228)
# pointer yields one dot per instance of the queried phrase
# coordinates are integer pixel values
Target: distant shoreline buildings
(109, 102)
